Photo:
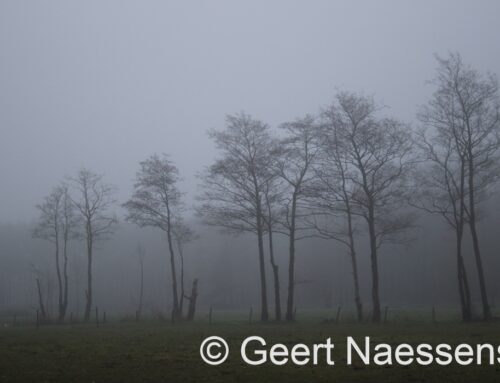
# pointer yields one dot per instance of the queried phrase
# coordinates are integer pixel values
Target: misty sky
(104, 84)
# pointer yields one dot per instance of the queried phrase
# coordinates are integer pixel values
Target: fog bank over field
(105, 84)
(160, 157)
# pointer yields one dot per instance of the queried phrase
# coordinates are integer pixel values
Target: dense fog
(103, 86)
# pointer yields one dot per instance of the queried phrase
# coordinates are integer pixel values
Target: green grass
(153, 351)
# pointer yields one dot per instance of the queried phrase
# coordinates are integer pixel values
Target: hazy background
(104, 84)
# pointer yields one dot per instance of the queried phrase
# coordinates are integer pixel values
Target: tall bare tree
(378, 150)
(94, 200)
(297, 152)
(233, 187)
(331, 195)
(156, 202)
(57, 224)
(466, 106)
(441, 190)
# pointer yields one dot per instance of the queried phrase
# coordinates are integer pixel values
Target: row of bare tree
(345, 173)
(350, 170)
(79, 208)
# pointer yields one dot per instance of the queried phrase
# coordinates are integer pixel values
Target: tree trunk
(59, 281)
(175, 294)
(376, 314)
(141, 291)
(475, 242)
(192, 301)
(181, 304)
(275, 268)
(352, 253)
(88, 292)
(264, 314)
(43, 313)
(291, 264)
(62, 314)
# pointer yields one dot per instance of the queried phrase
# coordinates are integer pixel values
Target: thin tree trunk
(463, 284)
(88, 292)
(59, 280)
(43, 313)
(275, 268)
(175, 294)
(264, 314)
(65, 276)
(376, 314)
(352, 248)
(352, 253)
(475, 242)
(141, 290)
(291, 264)
(192, 301)
(181, 304)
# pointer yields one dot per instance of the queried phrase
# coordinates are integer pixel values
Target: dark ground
(154, 351)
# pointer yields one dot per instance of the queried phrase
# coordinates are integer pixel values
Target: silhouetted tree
(57, 224)
(297, 152)
(378, 150)
(155, 202)
(233, 187)
(93, 202)
(466, 107)
(440, 189)
(331, 197)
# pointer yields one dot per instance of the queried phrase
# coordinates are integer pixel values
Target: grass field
(153, 351)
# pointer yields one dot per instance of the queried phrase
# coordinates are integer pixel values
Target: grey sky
(104, 84)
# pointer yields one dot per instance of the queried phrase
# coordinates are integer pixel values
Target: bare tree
(331, 195)
(378, 150)
(156, 202)
(57, 224)
(94, 200)
(297, 152)
(183, 235)
(466, 107)
(441, 190)
(233, 187)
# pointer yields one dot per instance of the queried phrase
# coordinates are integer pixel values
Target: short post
(210, 316)
(337, 317)
(385, 313)
(96, 316)
(250, 314)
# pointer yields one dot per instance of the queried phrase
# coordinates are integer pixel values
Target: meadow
(159, 351)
